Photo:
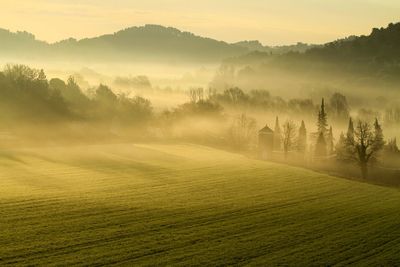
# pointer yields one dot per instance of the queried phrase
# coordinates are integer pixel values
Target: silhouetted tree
(322, 119)
(277, 135)
(302, 138)
(322, 134)
(379, 139)
(365, 145)
(289, 136)
(344, 149)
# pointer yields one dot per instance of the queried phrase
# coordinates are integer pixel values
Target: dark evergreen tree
(349, 141)
(322, 119)
(322, 134)
(302, 138)
(378, 133)
(289, 136)
(277, 135)
(350, 130)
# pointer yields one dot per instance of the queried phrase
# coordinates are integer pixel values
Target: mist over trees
(27, 95)
(289, 136)
(148, 145)
(365, 67)
(361, 144)
(302, 138)
(213, 116)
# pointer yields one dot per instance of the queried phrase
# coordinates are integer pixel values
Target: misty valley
(154, 146)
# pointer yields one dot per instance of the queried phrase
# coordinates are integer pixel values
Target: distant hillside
(146, 43)
(360, 61)
(257, 46)
(151, 42)
(18, 43)
(382, 45)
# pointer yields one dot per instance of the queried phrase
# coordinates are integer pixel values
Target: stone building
(265, 142)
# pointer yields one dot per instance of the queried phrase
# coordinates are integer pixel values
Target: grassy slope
(185, 204)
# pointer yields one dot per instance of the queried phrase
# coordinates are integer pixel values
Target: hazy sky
(270, 21)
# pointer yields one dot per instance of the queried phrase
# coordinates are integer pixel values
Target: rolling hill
(358, 65)
(181, 204)
(146, 43)
(375, 54)
(380, 46)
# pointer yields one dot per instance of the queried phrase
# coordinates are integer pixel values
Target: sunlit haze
(199, 132)
(271, 22)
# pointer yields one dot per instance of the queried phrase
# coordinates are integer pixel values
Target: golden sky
(270, 21)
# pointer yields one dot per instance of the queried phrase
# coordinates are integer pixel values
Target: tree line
(362, 144)
(27, 94)
(235, 97)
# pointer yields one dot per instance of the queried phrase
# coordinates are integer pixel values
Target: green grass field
(186, 205)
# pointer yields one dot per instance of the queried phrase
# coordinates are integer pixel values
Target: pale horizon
(270, 22)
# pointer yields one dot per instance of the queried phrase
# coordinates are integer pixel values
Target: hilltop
(360, 63)
(144, 43)
(382, 45)
(380, 49)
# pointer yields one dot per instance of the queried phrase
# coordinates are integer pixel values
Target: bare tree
(289, 136)
(243, 131)
(365, 144)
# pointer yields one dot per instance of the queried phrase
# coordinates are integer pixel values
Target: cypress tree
(322, 119)
(277, 135)
(350, 141)
(378, 136)
(322, 124)
(302, 138)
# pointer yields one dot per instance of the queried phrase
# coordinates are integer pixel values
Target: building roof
(266, 129)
